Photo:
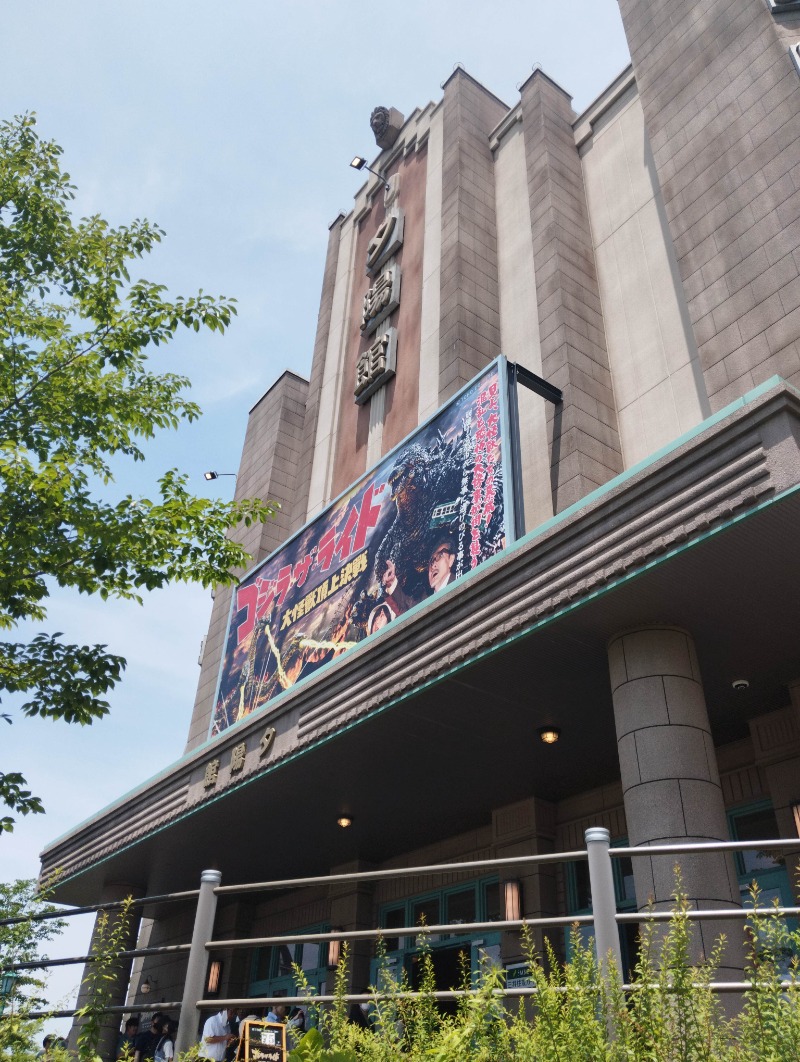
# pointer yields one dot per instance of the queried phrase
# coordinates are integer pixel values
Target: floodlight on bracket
(360, 163)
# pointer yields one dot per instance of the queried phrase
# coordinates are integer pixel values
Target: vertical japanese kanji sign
(432, 510)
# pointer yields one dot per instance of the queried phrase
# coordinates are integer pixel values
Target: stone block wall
(269, 470)
(721, 99)
(469, 322)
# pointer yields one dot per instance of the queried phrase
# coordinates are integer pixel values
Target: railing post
(198, 960)
(604, 904)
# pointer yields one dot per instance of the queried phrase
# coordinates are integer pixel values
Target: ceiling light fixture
(344, 821)
(549, 734)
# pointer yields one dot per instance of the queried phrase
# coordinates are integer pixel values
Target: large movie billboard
(433, 509)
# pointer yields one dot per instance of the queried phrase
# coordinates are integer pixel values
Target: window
(272, 972)
(461, 907)
(492, 905)
(453, 952)
(426, 912)
(757, 822)
(393, 919)
(477, 902)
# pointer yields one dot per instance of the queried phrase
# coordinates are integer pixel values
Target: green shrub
(668, 1013)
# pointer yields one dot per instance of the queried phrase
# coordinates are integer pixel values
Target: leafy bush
(668, 1013)
(22, 941)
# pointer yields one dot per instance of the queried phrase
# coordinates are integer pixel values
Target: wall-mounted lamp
(512, 900)
(214, 978)
(796, 813)
(215, 475)
(148, 985)
(344, 821)
(7, 982)
(360, 163)
(549, 734)
(334, 952)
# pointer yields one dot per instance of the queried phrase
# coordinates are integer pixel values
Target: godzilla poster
(432, 510)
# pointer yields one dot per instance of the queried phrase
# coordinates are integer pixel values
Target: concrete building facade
(644, 258)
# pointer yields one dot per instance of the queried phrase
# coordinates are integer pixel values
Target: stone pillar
(721, 102)
(107, 1045)
(585, 449)
(314, 397)
(670, 782)
(527, 828)
(352, 907)
(469, 301)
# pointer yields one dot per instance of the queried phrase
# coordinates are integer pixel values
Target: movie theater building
(543, 480)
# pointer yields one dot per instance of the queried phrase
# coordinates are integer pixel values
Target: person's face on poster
(439, 567)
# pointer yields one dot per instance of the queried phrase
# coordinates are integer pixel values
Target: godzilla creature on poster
(432, 510)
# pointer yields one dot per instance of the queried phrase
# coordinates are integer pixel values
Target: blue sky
(232, 126)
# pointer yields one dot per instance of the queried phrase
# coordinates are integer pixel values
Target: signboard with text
(261, 1041)
(432, 510)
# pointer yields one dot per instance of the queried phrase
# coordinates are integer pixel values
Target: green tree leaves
(76, 395)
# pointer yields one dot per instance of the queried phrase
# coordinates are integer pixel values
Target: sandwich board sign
(261, 1041)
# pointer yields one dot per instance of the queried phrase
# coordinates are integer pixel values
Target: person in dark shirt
(144, 1046)
(126, 1040)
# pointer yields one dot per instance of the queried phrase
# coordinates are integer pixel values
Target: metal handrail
(706, 846)
(112, 905)
(134, 953)
(397, 872)
(604, 918)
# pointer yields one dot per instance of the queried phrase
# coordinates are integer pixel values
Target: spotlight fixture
(549, 734)
(148, 985)
(216, 475)
(344, 821)
(360, 163)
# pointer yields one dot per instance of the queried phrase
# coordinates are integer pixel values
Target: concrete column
(527, 827)
(469, 303)
(197, 966)
(119, 987)
(352, 907)
(670, 781)
(585, 450)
